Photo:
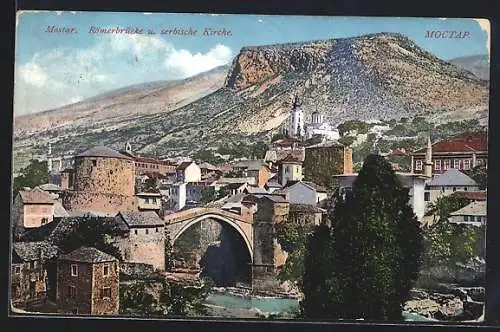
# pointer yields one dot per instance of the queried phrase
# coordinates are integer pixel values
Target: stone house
(173, 195)
(414, 182)
(447, 183)
(145, 242)
(30, 261)
(88, 282)
(104, 181)
(304, 192)
(32, 208)
(256, 169)
(188, 171)
(325, 160)
(474, 214)
(194, 190)
(305, 215)
(290, 169)
(209, 169)
(149, 201)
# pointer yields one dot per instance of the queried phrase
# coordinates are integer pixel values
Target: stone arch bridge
(178, 223)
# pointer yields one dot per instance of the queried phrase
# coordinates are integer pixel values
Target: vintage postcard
(249, 166)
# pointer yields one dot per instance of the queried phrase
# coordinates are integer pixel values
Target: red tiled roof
(471, 195)
(465, 142)
(36, 196)
(290, 159)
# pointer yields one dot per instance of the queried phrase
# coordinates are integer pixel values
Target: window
(74, 270)
(17, 269)
(454, 189)
(72, 292)
(44, 221)
(94, 162)
(154, 200)
(465, 188)
(456, 164)
(75, 311)
(466, 218)
(437, 165)
(478, 218)
(147, 231)
(147, 200)
(467, 164)
(427, 196)
(32, 264)
(135, 231)
(105, 271)
(156, 229)
(418, 165)
(105, 292)
(446, 164)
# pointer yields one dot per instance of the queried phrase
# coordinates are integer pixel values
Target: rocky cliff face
(374, 76)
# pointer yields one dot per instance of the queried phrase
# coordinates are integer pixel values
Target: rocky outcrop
(448, 303)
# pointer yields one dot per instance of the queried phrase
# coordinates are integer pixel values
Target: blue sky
(55, 69)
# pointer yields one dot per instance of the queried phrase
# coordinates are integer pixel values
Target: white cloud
(484, 24)
(191, 64)
(63, 75)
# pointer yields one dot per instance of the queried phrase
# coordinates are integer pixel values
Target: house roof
(312, 185)
(290, 159)
(59, 210)
(255, 190)
(142, 218)
(87, 255)
(465, 142)
(273, 184)
(182, 166)
(452, 177)
(251, 165)
(155, 194)
(478, 208)
(103, 151)
(36, 196)
(49, 187)
(208, 166)
(249, 180)
(235, 185)
(30, 251)
(471, 195)
(271, 197)
(287, 141)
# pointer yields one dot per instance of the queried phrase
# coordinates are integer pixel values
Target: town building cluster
(136, 198)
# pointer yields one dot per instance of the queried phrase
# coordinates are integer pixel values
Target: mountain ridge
(372, 76)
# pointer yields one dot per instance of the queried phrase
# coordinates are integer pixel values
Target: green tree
(315, 139)
(208, 195)
(136, 301)
(223, 192)
(445, 243)
(366, 265)
(184, 300)
(292, 238)
(480, 175)
(35, 174)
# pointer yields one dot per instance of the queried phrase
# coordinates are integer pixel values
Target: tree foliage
(366, 263)
(360, 126)
(446, 243)
(292, 239)
(35, 174)
(91, 232)
(480, 175)
(208, 195)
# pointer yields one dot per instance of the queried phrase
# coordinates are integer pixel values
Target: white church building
(298, 127)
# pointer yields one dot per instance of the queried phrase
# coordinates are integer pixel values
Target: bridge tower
(268, 256)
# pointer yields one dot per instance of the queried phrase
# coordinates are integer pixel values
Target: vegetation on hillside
(35, 174)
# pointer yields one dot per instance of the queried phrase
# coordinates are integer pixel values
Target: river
(268, 305)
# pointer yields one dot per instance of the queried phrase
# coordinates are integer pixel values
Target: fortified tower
(104, 181)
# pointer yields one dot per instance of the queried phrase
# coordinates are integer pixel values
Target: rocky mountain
(477, 64)
(377, 76)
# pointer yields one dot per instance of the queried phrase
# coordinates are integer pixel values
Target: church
(300, 129)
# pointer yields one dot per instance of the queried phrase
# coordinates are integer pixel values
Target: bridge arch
(219, 217)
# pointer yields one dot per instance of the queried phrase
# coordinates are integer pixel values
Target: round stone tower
(104, 181)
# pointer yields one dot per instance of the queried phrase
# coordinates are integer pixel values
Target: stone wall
(105, 175)
(147, 245)
(83, 284)
(25, 278)
(98, 202)
(132, 271)
(321, 163)
(102, 305)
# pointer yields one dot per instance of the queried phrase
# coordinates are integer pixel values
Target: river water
(270, 305)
